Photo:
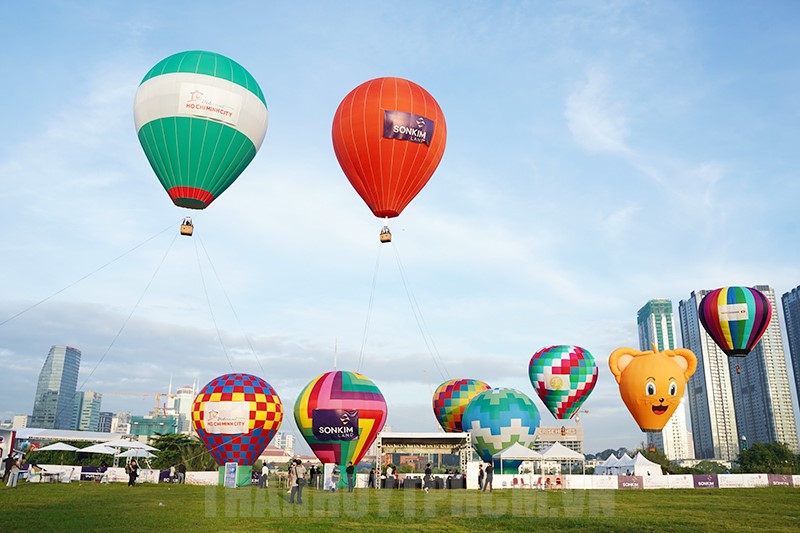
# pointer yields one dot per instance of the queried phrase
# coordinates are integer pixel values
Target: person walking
(426, 480)
(489, 476)
(297, 472)
(8, 462)
(371, 479)
(133, 472)
(480, 477)
(351, 473)
(181, 473)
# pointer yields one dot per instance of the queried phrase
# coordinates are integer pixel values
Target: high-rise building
(104, 421)
(20, 421)
(761, 395)
(182, 403)
(709, 391)
(121, 422)
(284, 441)
(791, 316)
(55, 392)
(656, 327)
(86, 415)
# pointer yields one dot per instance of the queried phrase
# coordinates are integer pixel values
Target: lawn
(89, 506)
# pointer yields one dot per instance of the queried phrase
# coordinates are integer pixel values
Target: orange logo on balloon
(652, 383)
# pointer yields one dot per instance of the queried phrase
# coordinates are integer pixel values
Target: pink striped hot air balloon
(735, 317)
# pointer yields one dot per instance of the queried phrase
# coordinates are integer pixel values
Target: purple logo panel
(407, 127)
(334, 424)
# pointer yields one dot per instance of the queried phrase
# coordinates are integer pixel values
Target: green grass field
(93, 507)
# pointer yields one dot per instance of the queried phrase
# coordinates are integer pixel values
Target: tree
(177, 448)
(769, 458)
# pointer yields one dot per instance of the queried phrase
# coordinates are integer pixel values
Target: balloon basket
(386, 235)
(244, 475)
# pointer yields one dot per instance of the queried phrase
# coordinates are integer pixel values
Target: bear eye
(673, 389)
(650, 388)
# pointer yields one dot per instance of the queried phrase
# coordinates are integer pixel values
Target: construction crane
(158, 395)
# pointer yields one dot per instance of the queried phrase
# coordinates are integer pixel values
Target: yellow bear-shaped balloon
(652, 383)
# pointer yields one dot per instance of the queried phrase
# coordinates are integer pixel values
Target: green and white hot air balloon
(201, 118)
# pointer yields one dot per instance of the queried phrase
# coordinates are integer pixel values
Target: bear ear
(686, 360)
(620, 359)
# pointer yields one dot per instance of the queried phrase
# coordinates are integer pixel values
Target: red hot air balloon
(389, 135)
(736, 318)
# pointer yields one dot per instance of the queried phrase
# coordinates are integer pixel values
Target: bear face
(652, 383)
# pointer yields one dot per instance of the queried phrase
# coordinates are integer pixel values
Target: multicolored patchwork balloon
(339, 414)
(736, 318)
(200, 118)
(451, 398)
(563, 377)
(497, 418)
(236, 416)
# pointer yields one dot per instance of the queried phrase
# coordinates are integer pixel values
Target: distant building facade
(791, 316)
(53, 404)
(709, 390)
(104, 421)
(121, 422)
(150, 425)
(86, 414)
(656, 327)
(19, 421)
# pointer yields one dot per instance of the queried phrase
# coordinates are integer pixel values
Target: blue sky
(599, 154)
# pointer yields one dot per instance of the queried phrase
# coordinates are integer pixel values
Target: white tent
(125, 443)
(559, 452)
(99, 448)
(642, 466)
(137, 452)
(606, 467)
(516, 452)
(624, 466)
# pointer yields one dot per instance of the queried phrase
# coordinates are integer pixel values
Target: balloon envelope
(735, 317)
(200, 118)
(497, 418)
(236, 415)
(389, 136)
(339, 414)
(563, 377)
(451, 398)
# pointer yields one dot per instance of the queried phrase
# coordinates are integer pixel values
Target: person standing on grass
(263, 481)
(351, 473)
(489, 476)
(133, 472)
(371, 479)
(426, 480)
(298, 473)
(181, 473)
(480, 477)
(13, 473)
(8, 462)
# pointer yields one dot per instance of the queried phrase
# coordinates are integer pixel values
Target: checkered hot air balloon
(339, 414)
(200, 118)
(563, 377)
(497, 418)
(451, 398)
(736, 318)
(236, 416)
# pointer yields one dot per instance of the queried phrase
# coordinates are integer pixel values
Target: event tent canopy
(559, 452)
(99, 448)
(518, 452)
(137, 452)
(642, 466)
(57, 447)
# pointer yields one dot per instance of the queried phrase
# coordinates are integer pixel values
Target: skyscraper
(791, 316)
(761, 395)
(104, 421)
(656, 327)
(709, 390)
(87, 411)
(58, 381)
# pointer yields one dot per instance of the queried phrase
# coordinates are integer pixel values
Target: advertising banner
(407, 127)
(780, 480)
(705, 481)
(630, 482)
(729, 481)
(231, 469)
(604, 482)
(655, 482)
(226, 418)
(206, 101)
(334, 424)
(681, 481)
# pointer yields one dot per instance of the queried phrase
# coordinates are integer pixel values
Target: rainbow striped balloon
(236, 415)
(735, 317)
(324, 403)
(451, 398)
